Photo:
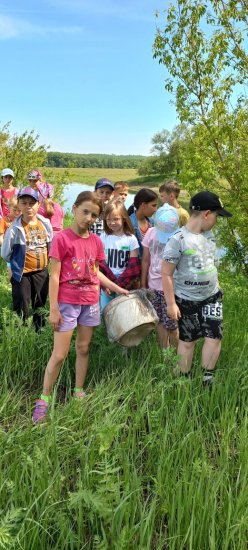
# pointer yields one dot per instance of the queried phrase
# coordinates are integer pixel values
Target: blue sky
(81, 73)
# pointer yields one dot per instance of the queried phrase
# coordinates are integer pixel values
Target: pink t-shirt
(57, 218)
(6, 195)
(78, 282)
(156, 250)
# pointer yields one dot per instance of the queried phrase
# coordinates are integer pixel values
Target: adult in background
(7, 191)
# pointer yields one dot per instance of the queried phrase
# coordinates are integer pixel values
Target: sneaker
(40, 411)
(79, 394)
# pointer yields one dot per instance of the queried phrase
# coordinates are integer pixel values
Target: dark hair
(88, 196)
(144, 195)
(117, 204)
(170, 186)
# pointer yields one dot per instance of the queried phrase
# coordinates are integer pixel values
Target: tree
(203, 47)
(167, 153)
(22, 154)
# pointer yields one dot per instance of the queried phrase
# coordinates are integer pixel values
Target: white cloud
(11, 27)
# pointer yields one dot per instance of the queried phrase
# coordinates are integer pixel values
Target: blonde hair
(117, 204)
(120, 185)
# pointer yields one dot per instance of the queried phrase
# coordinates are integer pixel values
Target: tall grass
(147, 461)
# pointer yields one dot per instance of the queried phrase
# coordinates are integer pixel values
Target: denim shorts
(73, 315)
(201, 319)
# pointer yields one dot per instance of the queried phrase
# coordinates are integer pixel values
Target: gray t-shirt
(194, 255)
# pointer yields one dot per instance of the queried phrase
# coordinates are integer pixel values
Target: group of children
(108, 251)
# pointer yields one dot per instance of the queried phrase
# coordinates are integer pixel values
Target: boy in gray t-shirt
(195, 298)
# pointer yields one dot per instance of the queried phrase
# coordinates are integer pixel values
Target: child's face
(166, 197)
(149, 208)
(14, 211)
(209, 219)
(28, 207)
(7, 180)
(104, 193)
(121, 193)
(33, 183)
(115, 222)
(85, 215)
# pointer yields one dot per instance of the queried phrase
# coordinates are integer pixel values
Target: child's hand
(55, 319)
(173, 312)
(107, 291)
(122, 291)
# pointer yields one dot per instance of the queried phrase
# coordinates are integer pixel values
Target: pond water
(72, 190)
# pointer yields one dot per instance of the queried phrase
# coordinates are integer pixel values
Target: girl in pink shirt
(74, 295)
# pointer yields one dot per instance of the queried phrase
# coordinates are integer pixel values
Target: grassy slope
(91, 175)
(148, 460)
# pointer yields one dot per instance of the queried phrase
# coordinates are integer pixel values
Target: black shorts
(201, 319)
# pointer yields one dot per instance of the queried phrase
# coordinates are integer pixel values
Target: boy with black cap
(195, 298)
(103, 189)
(25, 246)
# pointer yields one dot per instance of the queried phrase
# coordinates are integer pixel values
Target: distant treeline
(78, 160)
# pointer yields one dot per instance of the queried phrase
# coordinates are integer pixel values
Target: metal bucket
(129, 319)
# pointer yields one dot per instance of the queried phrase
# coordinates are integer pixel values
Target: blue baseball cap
(102, 182)
(28, 191)
(166, 222)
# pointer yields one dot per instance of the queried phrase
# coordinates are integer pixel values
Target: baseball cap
(28, 191)
(206, 200)
(34, 175)
(7, 172)
(102, 182)
(166, 222)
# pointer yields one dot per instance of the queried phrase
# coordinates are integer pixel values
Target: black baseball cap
(206, 200)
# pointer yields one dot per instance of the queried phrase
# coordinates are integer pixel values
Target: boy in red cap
(190, 283)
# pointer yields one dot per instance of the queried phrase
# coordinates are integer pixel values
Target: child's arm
(55, 317)
(8, 243)
(145, 264)
(173, 310)
(109, 284)
(1, 238)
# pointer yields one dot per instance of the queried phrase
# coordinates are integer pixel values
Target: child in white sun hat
(166, 223)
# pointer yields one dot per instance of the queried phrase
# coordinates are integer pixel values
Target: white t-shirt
(156, 250)
(117, 249)
(194, 255)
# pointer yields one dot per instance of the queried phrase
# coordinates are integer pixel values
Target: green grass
(147, 461)
(91, 175)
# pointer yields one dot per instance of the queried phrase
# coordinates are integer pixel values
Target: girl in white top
(119, 242)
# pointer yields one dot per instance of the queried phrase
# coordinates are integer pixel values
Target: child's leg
(61, 346)
(185, 351)
(84, 336)
(21, 296)
(163, 336)
(173, 338)
(39, 292)
(210, 353)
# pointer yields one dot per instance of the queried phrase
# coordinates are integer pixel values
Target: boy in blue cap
(25, 246)
(103, 189)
